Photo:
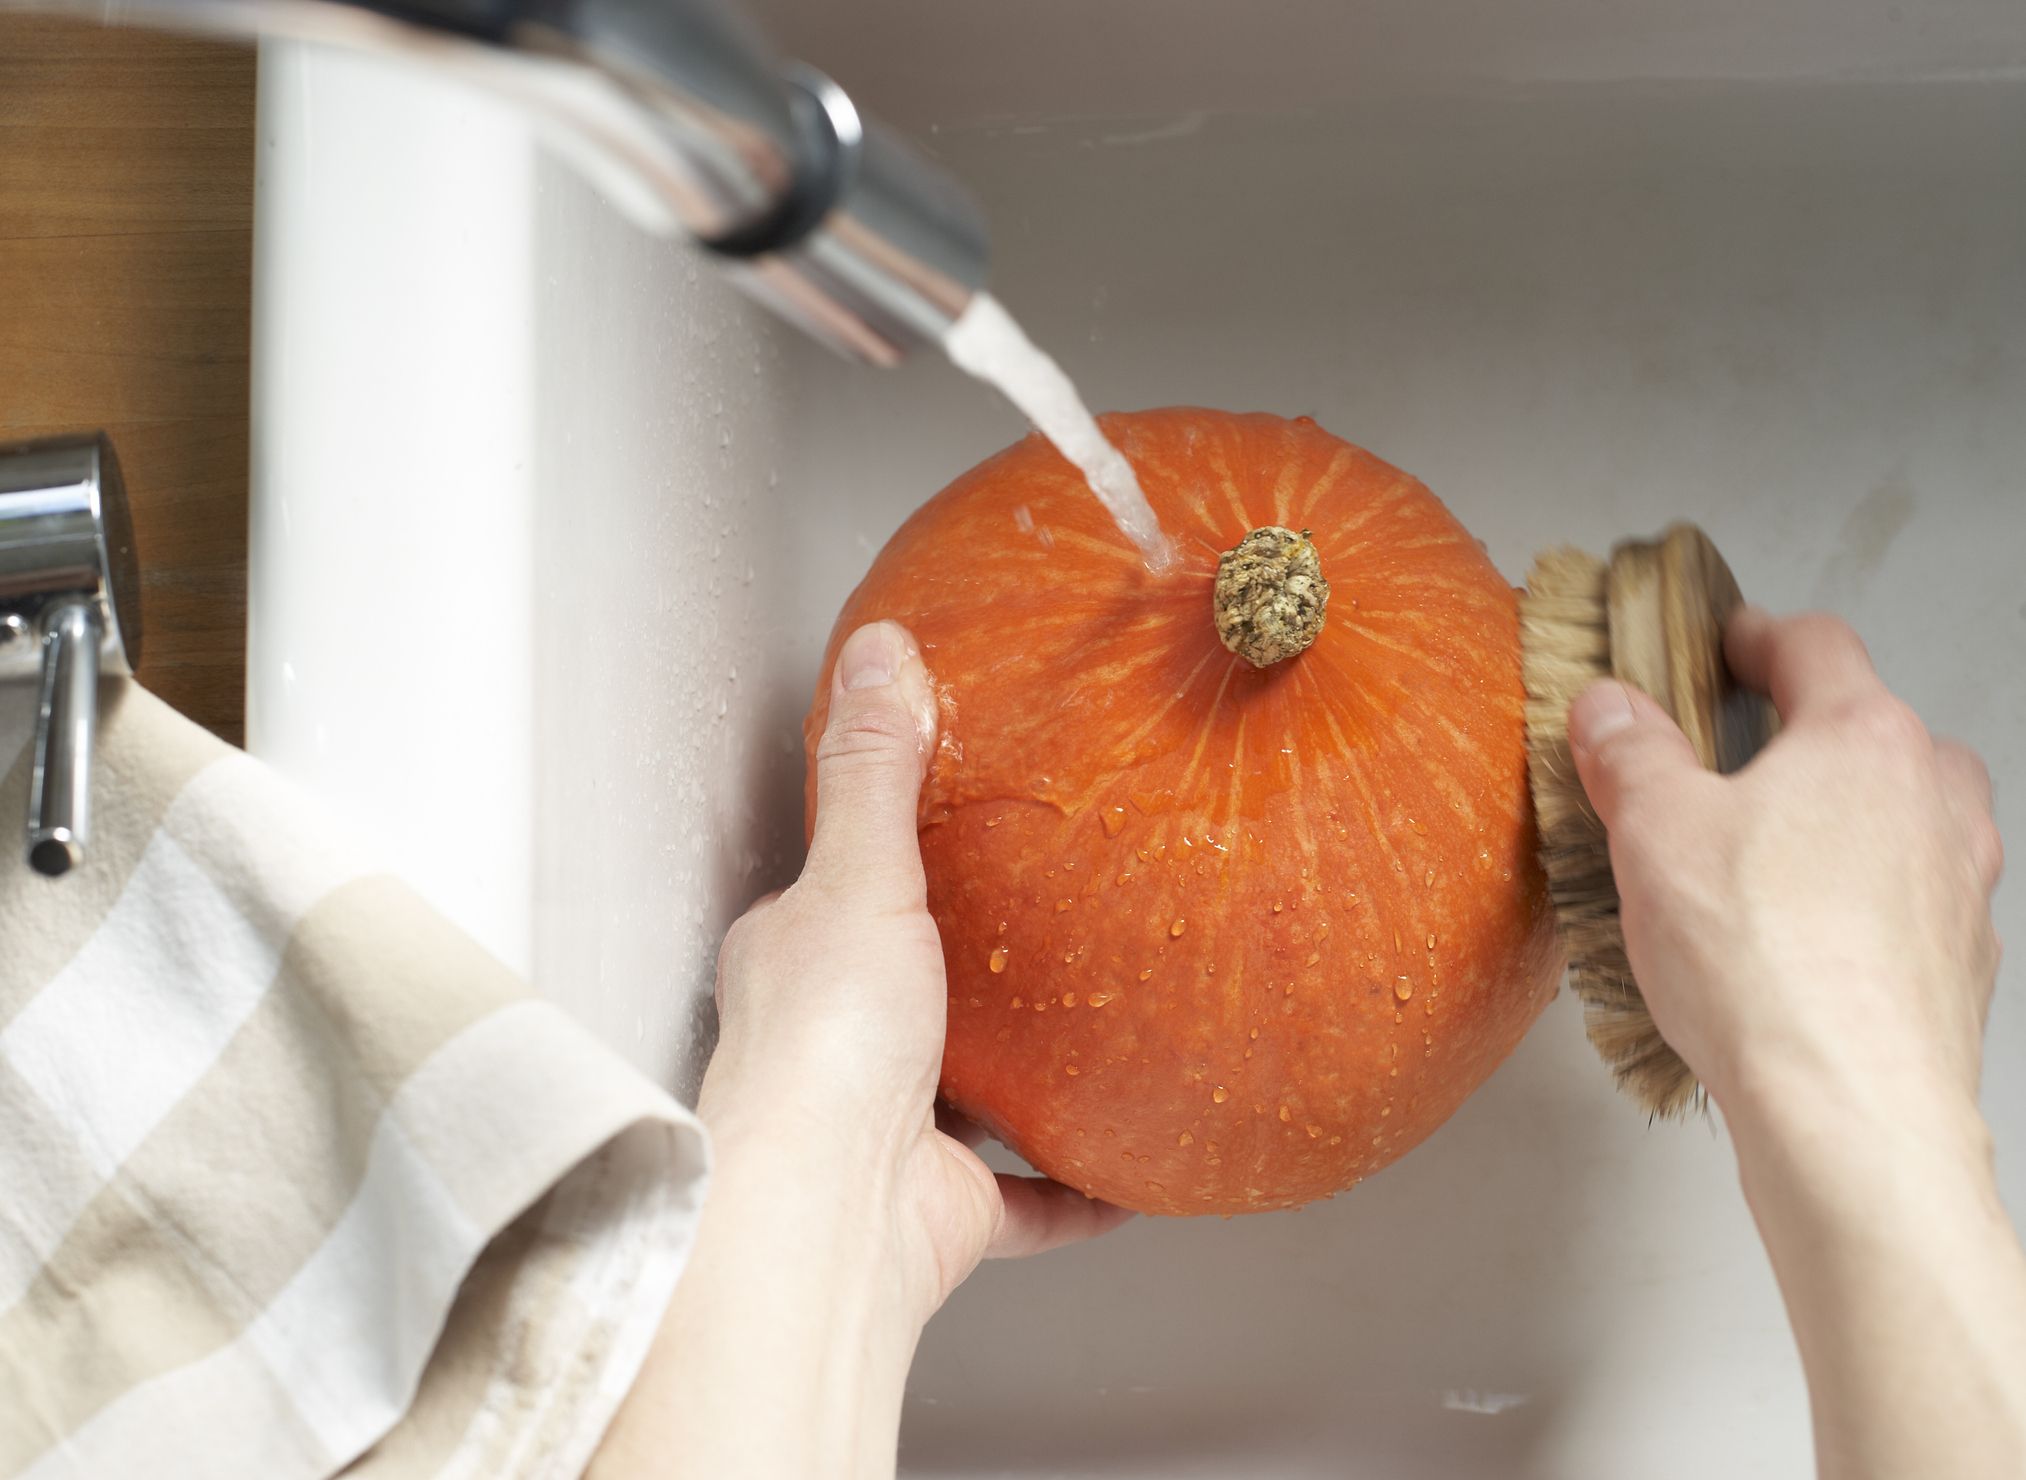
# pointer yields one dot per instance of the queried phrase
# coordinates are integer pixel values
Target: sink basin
(549, 528)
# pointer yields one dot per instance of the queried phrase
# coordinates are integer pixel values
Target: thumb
(869, 768)
(1625, 745)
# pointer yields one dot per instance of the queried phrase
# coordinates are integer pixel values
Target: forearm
(1903, 1278)
(785, 1349)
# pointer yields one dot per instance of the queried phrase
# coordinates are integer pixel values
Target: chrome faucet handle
(69, 575)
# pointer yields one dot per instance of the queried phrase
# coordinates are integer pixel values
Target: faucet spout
(685, 118)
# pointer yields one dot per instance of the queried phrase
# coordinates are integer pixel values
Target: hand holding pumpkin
(831, 999)
(840, 1214)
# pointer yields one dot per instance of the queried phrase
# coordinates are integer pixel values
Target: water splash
(987, 343)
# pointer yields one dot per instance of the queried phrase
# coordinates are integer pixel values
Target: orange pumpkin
(1220, 938)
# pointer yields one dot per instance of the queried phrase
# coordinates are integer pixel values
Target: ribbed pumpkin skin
(1219, 939)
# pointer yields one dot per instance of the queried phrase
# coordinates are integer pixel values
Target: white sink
(549, 529)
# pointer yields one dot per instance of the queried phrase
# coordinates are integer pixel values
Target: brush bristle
(1565, 642)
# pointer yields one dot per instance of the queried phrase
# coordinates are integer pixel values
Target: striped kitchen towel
(295, 1180)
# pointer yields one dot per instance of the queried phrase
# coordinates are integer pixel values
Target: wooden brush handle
(1668, 600)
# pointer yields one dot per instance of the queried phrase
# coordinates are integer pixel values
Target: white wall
(393, 499)
(668, 701)
(953, 63)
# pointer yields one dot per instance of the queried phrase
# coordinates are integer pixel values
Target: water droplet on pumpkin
(1418, 828)
(1314, 1132)
(1156, 1188)
(1185, 1139)
(1002, 927)
(1402, 988)
(1097, 999)
(1125, 878)
(1071, 1070)
(1431, 941)
(1336, 1140)
(1384, 1110)
(1178, 927)
(1114, 819)
(1277, 906)
(1286, 1114)
(1069, 999)
(1394, 1072)
(1428, 878)
(1253, 1034)
(1063, 904)
(994, 821)
(997, 960)
(976, 1002)
(1145, 972)
(1220, 1094)
(1506, 874)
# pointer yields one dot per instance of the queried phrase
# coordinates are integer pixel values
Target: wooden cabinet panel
(126, 255)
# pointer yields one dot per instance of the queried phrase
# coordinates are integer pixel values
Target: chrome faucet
(682, 114)
(686, 120)
(69, 611)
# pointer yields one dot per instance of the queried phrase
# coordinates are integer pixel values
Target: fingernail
(871, 657)
(1600, 712)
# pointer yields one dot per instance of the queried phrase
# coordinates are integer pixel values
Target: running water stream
(987, 343)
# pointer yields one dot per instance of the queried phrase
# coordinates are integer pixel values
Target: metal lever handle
(66, 721)
(68, 572)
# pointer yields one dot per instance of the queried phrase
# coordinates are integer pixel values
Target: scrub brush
(1651, 616)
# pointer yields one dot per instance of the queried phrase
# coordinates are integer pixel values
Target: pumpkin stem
(1270, 596)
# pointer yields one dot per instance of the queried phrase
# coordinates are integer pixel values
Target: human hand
(832, 999)
(840, 1215)
(1820, 922)
(1813, 935)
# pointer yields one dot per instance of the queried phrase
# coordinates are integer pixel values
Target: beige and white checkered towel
(295, 1179)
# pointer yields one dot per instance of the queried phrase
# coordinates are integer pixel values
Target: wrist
(829, 1191)
(788, 1112)
(1811, 1138)
(786, 1347)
